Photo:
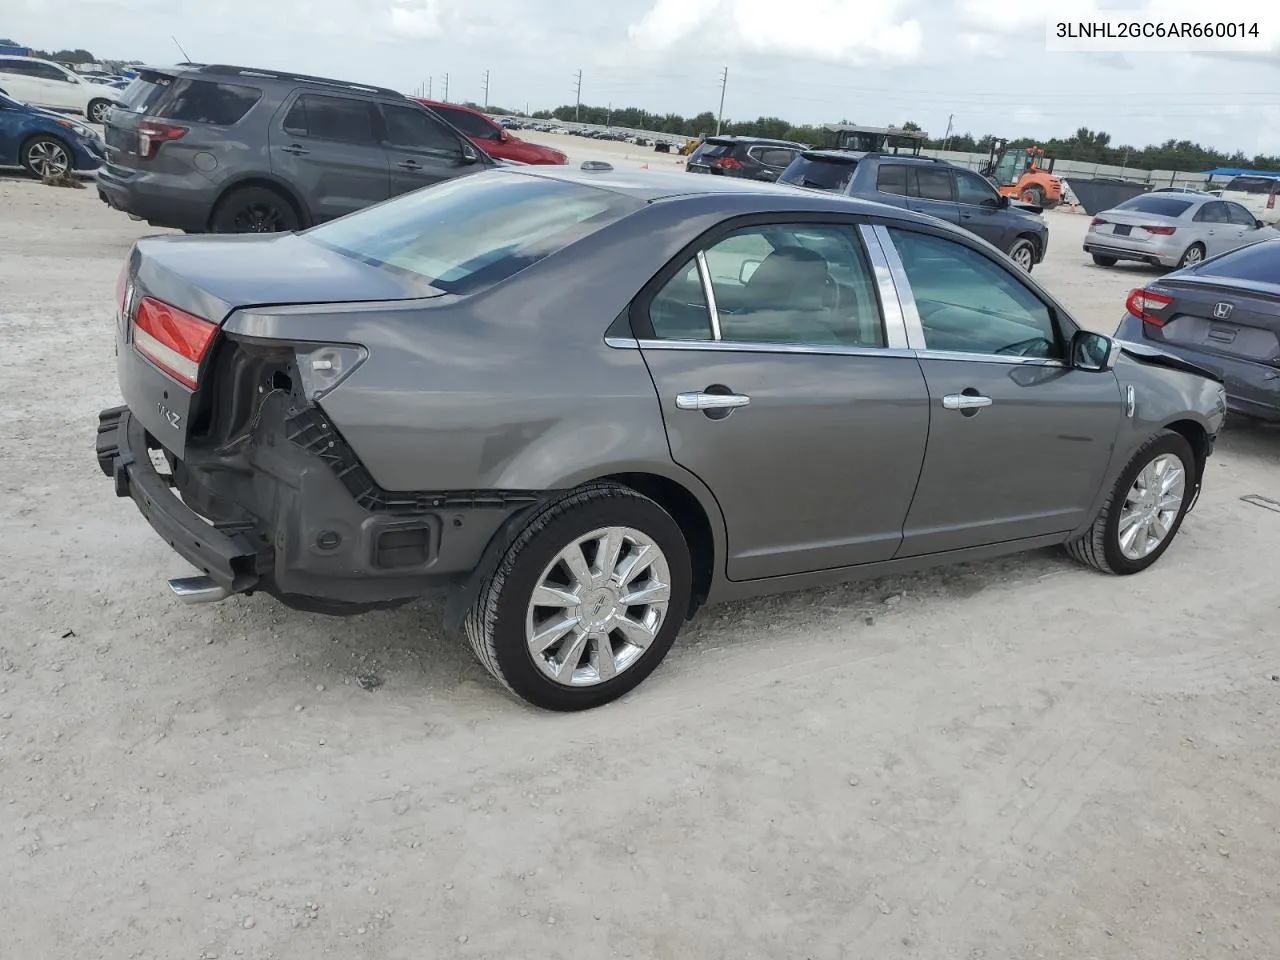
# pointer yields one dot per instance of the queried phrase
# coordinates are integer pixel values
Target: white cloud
(414, 19)
(834, 30)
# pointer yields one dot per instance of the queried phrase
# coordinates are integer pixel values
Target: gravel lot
(1004, 760)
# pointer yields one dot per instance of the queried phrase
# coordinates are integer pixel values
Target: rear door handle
(962, 401)
(296, 149)
(710, 401)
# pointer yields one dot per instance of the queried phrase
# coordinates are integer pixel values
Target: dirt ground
(1017, 759)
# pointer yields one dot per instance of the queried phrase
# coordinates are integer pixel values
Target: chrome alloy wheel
(1024, 257)
(48, 159)
(1151, 506)
(598, 606)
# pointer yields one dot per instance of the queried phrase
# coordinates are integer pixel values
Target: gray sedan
(1169, 229)
(591, 402)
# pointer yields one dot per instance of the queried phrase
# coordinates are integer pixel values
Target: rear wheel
(98, 110)
(1023, 253)
(1194, 254)
(1033, 195)
(586, 602)
(1102, 261)
(1144, 511)
(47, 157)
(254, 210)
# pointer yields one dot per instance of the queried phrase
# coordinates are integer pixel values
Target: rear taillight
(1098, 222)
(1147, 306)
(726, 163)
(172, 339)
(152, 136)
(1160, 231)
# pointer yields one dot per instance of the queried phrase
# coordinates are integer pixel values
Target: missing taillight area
(172, 339)
(1148, 306)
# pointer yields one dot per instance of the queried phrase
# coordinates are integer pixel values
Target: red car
(493, 139)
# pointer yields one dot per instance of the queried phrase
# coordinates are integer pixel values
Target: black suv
(235, 150)
(926, 185)
(750, 157)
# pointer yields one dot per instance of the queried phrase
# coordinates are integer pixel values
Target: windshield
(475, 231)
(1160, 206)
(819, 173)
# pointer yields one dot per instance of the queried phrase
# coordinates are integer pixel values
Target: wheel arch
(267, 182)
(1197, 436)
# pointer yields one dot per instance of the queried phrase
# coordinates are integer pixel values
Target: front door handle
(964, 401)
(409, 165)
(698, 400)
(296, 149)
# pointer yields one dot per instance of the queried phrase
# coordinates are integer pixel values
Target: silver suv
(227, 149)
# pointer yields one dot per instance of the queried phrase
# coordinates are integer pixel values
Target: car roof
(737, 138)
(259, 75)
(845, 155)
(651, 186)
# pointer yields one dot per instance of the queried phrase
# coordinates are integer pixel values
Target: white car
(1259, 194)
(51, 87)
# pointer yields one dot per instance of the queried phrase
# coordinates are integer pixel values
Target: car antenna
(185, 58)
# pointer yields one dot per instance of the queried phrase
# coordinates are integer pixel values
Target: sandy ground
(1019, 759)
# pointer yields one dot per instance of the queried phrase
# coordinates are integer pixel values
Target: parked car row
(48, 144)
(51, 86)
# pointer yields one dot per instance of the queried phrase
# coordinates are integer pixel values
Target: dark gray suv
(929, 186)
(233, 150)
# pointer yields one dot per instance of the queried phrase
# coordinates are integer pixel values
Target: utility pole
(946, 137)
(724, 82)
(486, 89)
(577, 107)
(430, 85)
(446, 88)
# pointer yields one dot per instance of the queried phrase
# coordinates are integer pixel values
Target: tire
(46, 156)
(1023, 253)
(97, 111)
(503, 617)
(1193, 254)
(1102, 261)
(1033, 195)
(1100, 547)
(254, 210)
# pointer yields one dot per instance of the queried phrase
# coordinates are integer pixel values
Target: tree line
(1084, 145)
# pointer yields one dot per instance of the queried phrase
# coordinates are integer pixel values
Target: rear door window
(331, 118)
(933, 184)
(773, 156)
(891, 178)
(1215, 212)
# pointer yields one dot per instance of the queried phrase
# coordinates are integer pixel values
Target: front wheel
(98, 110)
(1023, 253)
(586, 601)
(1033, 196)
(47, 157)
(1145, 509)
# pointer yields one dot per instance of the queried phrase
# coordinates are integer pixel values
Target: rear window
(1262, 185)
(773, 156)
(821, 173)
(711, 149)
(189, 101)
(472, 232)
(1258, 263)
(1160, 206)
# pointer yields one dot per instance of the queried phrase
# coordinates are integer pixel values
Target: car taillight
(1161, 231)
(1145, 304)
(152, 135)
(1098, 222)
(172, 339)
(726, 163)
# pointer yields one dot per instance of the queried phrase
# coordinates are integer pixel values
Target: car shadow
(1252, 439)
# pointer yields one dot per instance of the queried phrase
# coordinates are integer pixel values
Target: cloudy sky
(869, 61)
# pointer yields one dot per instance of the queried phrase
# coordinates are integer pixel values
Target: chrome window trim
(891, 316)
(734, 346)
(704, 273)
(988, 358)
(622, 343)
(906, 299)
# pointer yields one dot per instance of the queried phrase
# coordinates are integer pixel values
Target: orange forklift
(1024, 173)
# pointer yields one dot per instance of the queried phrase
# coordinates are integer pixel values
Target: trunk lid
(1127, 223)
(211, 277)
(1238, 321)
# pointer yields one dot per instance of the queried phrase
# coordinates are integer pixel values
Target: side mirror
(1003, 202)
(1258, 224)
(470, 154)
(747, 269)
(1092, 351)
